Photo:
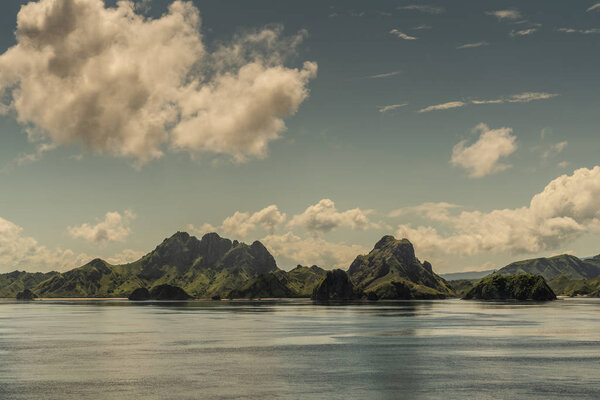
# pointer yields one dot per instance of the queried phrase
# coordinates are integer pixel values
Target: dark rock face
(336, 286)
(139, 294)
(515, 287)
(26, 295)
(392, 271)
(168, 292)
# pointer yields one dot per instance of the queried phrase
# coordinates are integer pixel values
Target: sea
(296, 349)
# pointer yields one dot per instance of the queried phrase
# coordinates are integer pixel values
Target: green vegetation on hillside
(263, 286)
(565, 264)
(17, 281)
(391, 271)
(511, 287)
(302, 281)
(564, 286)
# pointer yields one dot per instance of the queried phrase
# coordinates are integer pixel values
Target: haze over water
(114, 349)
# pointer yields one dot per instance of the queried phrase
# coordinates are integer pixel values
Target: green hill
(17, 281)
(564, 286)
(391, 271)
(513, 287)
(263, 286)
(565, 264)
(302, 280)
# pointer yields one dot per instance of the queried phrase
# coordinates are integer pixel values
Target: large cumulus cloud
(565, 210)
(126, 85)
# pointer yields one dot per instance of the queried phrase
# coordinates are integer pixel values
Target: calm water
(296, 350)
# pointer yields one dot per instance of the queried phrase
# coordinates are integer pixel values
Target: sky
(468, 127)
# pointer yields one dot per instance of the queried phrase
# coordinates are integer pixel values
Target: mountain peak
(385, 241)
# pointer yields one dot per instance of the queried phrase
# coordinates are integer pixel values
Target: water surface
(450, 349)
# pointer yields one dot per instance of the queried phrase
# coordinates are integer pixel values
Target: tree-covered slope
(17, 281)
(392, 271)
(564, 286)
(302, 280)
(511, 287)
(565, 264)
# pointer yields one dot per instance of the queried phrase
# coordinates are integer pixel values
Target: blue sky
(393, 127)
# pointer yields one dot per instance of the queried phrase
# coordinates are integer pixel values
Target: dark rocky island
(140, 294)
(336, 286)
(26, 295)
(160, 292)
(168, 292)
(512, 287)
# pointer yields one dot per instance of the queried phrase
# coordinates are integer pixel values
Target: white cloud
(444, 106)
(384, 75)
(523, 32)
(126, 85)
(115, 227)
(483, 157)
(565, 210)
(391, 107)
(525, 97)
(23, 252)
(588, 31)
(472, 45)
(422, 8)
(125, 257)
(433, 211)
(594, 7)
(324, 217)
(421, 27)
(291, 249)
(402, 35)
(240, 223)
(510, 15)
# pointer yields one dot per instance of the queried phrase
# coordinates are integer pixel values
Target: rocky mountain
(392, 271)
(565, 264)
(204, 268)
(511, 287)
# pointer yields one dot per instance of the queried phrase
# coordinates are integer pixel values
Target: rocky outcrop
(139, 294)
(511, 287)
(26, 295)
(336, 286)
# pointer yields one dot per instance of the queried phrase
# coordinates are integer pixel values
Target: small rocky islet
(160, 292)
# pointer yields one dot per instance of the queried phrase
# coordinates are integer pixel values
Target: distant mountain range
(453, 276)
(218, 267)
